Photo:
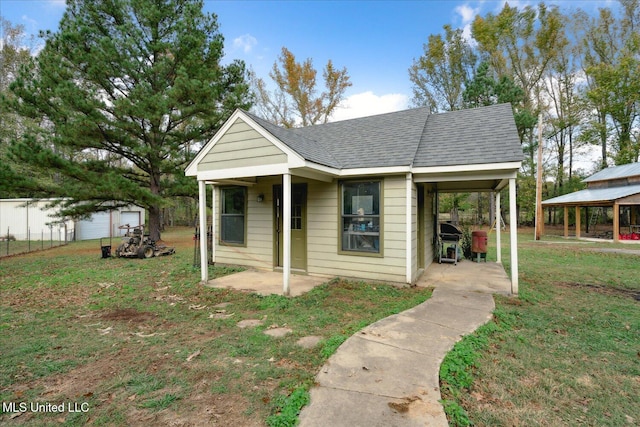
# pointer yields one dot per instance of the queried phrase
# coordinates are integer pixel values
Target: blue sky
(376, 41)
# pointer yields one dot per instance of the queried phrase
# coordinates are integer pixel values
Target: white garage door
(131, 218)
(95, 227)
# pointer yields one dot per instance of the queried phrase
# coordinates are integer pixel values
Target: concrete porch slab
(267, 282)
(486, 277)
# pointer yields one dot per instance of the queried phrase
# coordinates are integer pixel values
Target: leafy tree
(453, 203)
(612, 67)
(520, 44)
(485, 90)
(439, 74)
(566, 109)
(14, 53)
(127, 89)
(295, 101)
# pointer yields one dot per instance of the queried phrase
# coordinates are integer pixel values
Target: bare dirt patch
(605, 290)
(46, 298)
(128, 315)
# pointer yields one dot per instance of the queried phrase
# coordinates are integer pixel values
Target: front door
(298, 226)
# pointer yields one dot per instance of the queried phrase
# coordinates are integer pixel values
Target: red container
(479, 242)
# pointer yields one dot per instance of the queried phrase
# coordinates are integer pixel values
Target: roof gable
(255, 147)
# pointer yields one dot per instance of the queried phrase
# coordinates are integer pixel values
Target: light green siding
(241, 146)
(258, 252)
(323, 244)
(323, 255)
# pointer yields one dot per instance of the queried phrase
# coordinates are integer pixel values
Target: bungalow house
(616, 187)
(354, 198)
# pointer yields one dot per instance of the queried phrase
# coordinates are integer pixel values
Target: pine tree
(125, 91)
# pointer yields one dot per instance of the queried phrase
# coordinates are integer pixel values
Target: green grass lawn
(141, 342)
(567, 352)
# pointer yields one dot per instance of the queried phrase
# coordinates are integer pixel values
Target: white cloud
(29, 22)
(245, 43)
(467, 14)
(368, 104)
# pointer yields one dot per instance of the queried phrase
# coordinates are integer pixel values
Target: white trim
(504, 183)
(389, 170)
(312, 174)
(244, 172)
(467, 176)
(498, 223)
(513, 226)
(468, 168)
(213, 223)
(236, 182)
(286, 238)
(408, 229)
(202, 211)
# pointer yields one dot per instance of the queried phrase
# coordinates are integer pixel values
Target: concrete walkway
(388, 373)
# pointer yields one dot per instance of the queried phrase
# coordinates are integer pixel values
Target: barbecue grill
(448, 241)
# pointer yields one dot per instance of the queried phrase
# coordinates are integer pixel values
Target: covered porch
(351, 199)
(493, 178)
(421, 268)
(486, 277)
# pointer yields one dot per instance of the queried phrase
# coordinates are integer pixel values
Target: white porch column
(498, 229)
(213, 224)
(202, 212)
(408, 220)
(513, 226)
(286, 228)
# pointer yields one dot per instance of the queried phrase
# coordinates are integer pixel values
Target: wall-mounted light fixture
(260, 198)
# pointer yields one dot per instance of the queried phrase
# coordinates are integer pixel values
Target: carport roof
(594, 196)
(615, 172)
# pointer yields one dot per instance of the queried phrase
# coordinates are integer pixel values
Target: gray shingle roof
(376, 141)
(474, 136)
(409, 137)
(307, 148)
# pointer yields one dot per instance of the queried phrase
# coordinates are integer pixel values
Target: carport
(614, 187)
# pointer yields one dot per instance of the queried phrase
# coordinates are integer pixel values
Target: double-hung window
(360, 216)
(233, 215)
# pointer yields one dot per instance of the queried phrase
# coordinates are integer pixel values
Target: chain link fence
(33, 240)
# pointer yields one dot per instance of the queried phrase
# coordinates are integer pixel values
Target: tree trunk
(602, 118)
(154, 222)
(155, 211)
